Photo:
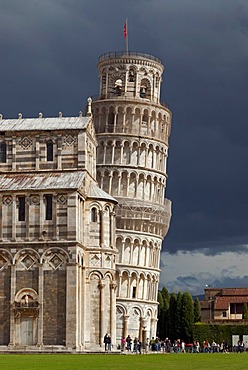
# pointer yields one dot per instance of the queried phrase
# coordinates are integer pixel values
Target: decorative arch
(31, 293)
(55, 258)
(6, 259)
(27, 258)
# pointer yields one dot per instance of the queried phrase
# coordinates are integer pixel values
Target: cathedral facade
(83, 214)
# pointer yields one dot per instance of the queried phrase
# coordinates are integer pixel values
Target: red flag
(125, 30)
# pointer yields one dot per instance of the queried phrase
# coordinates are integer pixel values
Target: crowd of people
(131, 345)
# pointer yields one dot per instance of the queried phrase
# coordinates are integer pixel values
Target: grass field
(131, 362)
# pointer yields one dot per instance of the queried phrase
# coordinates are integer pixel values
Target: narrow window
(49, 207)
(21, 211)
(50, 151)
(93, 215)
(224, 314)
(3, 149)
(134, 292)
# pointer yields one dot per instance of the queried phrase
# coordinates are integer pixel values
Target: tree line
(177, 314)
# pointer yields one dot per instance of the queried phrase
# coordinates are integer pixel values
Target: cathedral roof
(41, 181)
(50, 123)
(96, 193)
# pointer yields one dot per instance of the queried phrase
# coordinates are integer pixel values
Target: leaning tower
(133, 127)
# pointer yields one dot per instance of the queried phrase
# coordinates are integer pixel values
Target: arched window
(118, 87)
(50, 151)
(3, 150)
(93, 214)
(131, 75)
(145, 89)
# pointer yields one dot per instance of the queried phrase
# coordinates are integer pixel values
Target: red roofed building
(224, 304)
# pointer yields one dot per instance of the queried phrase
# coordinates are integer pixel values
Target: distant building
(226, 304)
(83, 214)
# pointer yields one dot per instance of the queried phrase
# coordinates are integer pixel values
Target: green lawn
(131, 362)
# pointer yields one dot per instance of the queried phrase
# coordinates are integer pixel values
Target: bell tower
(133, 127)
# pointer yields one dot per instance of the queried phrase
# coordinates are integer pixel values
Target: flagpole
(126, 37)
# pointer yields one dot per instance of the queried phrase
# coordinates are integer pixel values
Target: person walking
(105, 341)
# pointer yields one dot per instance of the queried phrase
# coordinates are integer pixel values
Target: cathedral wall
(28, 279)
(32, 150)
(39, 221)
(55, 307)
(95, 309)
(5, 304)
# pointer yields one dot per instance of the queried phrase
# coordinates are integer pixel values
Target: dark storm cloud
(196, 284)
(49, 52)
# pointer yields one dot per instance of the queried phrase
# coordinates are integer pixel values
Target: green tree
(166, 295)
(197, 310)
(178, 326)
(173, 317)
(163, 308)
(160, 313)
(187, 316)
(245, 312)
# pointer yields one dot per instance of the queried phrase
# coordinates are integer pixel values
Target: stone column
(128, 182)
(55, 217)
(14, 215)
(124, 121)
(102, 176)
(126, 81)
(106, 120)
(149, 126)
(79, 305)
(140, 329)
(146, 154)
(102, 228)
(125, 326)
(41, 215)
(12, 299)
(144, 331)
(129, 287)
(144, 295)
(119, 286)
(112, 229)
(41, 294)
(37, 153)
(1, 217)
(119, 184)
(113, 287)
(99, 122)
(72, 306)
(115, 119)
(121, 156)
(83, 305)
(104, 152)
(122, 251)
(153, 327)
(102, 311)
(110, 182)
(131, 254)
(113, 151)
(106, 90)
(14, 153)
(59, 150)
(27, 205)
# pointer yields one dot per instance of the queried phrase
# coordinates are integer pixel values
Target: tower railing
(127, 98)
(123, 54)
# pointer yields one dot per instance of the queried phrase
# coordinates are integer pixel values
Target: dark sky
(48, 57)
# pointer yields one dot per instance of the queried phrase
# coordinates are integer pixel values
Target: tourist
(129, 342)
